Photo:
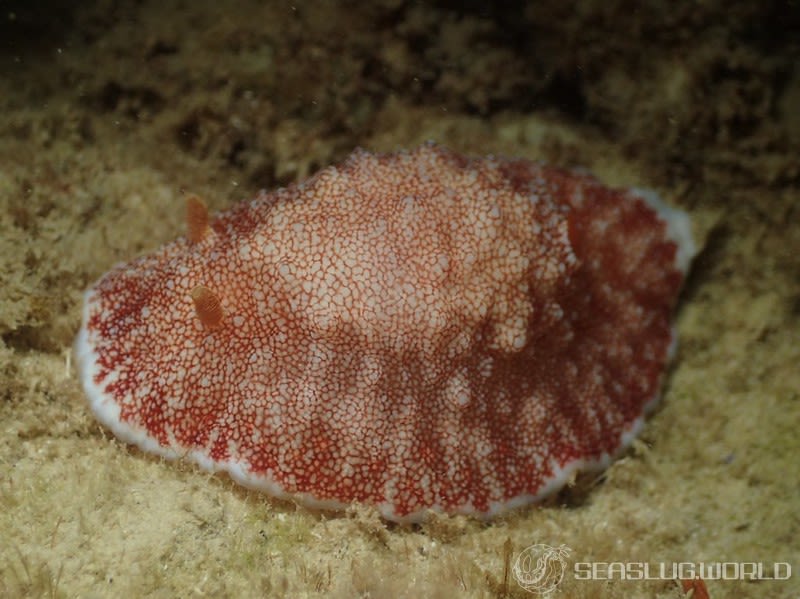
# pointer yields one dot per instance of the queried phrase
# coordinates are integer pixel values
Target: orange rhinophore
(207, 306)
(197, 220)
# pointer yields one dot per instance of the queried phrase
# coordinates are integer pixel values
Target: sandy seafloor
(110, 112)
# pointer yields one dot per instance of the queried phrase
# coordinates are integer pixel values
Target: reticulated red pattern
(415, 331)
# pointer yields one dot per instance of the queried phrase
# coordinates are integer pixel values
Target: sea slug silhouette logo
(540, 568)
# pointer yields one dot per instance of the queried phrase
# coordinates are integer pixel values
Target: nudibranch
(413, 331)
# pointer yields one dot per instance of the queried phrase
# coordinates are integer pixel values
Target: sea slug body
(415, 331)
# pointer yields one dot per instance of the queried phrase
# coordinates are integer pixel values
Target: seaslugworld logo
(682, 570)
(540, 569)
